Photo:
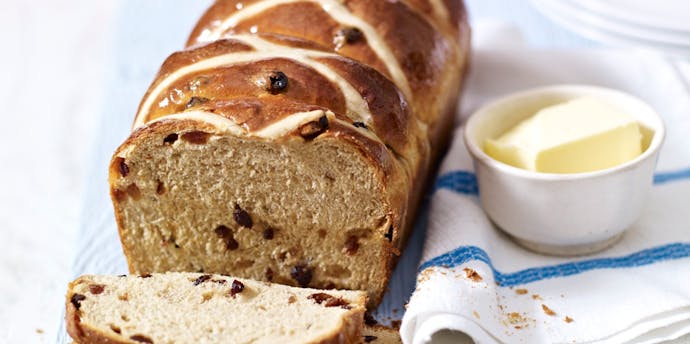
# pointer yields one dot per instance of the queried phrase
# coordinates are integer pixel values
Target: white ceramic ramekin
(562, 214)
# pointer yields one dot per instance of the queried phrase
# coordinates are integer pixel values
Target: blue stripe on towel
(665, 177)
(465, 254)
(458, 181)
(465, 182)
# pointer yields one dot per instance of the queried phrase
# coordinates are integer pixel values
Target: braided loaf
(291, 141)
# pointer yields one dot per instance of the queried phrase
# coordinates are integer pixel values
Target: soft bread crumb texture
(308, 214)
(197, 308)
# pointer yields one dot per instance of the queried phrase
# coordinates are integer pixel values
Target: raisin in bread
(199, 308)
(291, 141)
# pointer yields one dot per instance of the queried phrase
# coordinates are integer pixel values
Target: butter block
(581, 135)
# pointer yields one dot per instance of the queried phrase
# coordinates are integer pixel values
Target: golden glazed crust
(428, 40)
(233, 90)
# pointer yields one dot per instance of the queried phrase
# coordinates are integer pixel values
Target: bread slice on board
(203, 308)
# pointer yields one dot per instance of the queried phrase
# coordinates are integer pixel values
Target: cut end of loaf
(303, 212)
(193, 308)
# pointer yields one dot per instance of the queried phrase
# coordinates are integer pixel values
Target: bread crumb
(521, 291)
(476, 315)
(516, 318)
(39, 330)
(472, 275)
(425, 275)
(548, 310)
(536, 297)
(568, 319)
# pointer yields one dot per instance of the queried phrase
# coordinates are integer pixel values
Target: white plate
(576, 24)
(612, 24)
(673, 15)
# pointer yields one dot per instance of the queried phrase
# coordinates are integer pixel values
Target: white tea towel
(474, 279)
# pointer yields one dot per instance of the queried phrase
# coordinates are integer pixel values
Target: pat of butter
(580, 135)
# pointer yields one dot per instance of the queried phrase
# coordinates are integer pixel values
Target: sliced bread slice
(204, 308)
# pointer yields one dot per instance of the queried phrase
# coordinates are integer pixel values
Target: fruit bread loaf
(291, 141)
(200, 308)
